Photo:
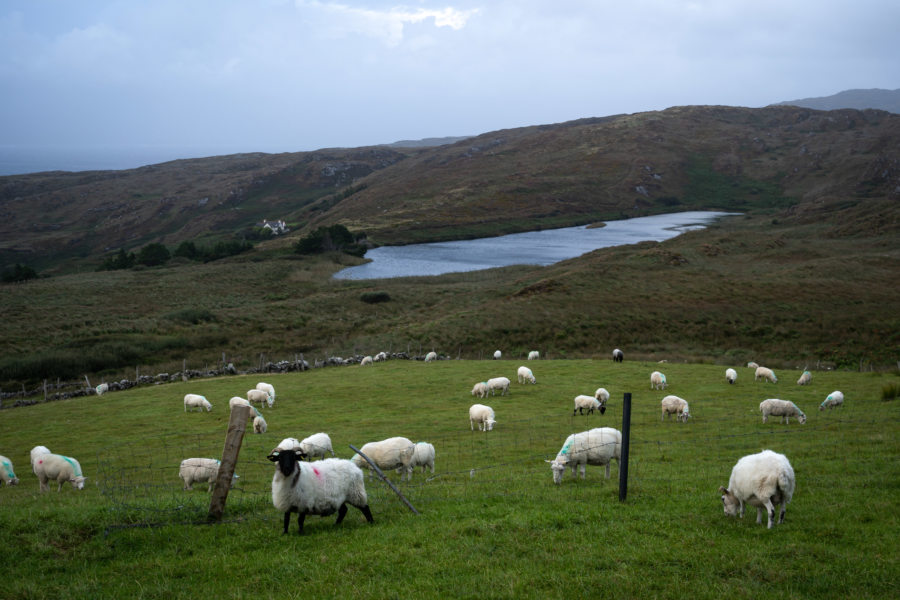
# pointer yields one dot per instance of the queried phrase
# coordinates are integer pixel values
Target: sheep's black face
(286, 459)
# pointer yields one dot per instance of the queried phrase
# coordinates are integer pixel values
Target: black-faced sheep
(730, 376)
(618, 355)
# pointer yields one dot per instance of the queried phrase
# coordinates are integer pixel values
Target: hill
(878, 99)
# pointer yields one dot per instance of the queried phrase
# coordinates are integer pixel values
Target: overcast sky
(218, 76)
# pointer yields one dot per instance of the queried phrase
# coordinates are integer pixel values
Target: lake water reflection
(532, 248)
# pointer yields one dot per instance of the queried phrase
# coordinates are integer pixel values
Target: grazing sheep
(761, 480)
(765, 373)
(380, 357)
(431, 356)
(59, 468)
(316, 445)
(525, 375)
(259, 424)
(602, 395)
(483, 415)
(260, 396)
(367, 360)
(498, 383)
(730, 376)
(657, 381)
(198, 470)
(588, 403)
(35, 453)
(269, 389)
(321, 489)
(8, 476)
(805, 378)
(534, 355)
(289, 444)
(618, 355)
(392, 453)
(594, 447)
(497, 355)
(752, 365)
(480, 389)
(835, 398)
(237, 401)
(781, 408)
(193, 401)
(673, 405)
(423, 457)
(102, 389)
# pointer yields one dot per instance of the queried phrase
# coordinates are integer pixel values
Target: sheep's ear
(722, 490)
(274, 456)
(300, 454)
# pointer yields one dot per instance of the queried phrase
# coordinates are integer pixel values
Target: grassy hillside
(492, 523)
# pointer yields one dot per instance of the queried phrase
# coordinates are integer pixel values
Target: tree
(334, 237)
(153, 255)
(121, 260)
(18, 273)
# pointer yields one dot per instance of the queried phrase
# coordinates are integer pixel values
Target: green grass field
(492, 523)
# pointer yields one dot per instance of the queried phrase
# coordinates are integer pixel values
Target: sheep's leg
(367, 513)
(783, 510)
(770, 509)
(583, 470)
(342, 512)
(607, 470)
(287, 521)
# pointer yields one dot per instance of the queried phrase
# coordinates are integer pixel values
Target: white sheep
(618, 355)
(321, 488)
(288, 444)
(423, 457)
(392, 453)
(594, 447)
(260, 396)
(316, 445)
(367, 360)
(602, 395)
(497, 355)
(102, 389)
(588, 403)
(237, 401)
(431, 356)
(483, 415)
(730, 376)
(534, 355)
(835, 398)
(59, 468)
(380, 357)
(781, 408)
(269, 389)
(752, 365)
(673, 405)
(480, 389)
(805, 378)
(657, 381)
(765, 373)
(259, 424)
(192, 401)
(498, 383)
(8, 476)
(198, 470)
(761, 480)
(525, 375)
(35, 453)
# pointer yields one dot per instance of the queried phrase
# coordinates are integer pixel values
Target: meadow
(492, 524)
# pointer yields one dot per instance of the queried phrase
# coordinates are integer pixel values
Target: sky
(183, 78)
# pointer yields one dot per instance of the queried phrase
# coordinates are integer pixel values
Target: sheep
(781, 408)
(423, 457)
(618, 355)
(480, 389)
(8, 476)
(602, 395)
(380, 357)
(765, 373)
(835, 398)
(259, 424)
(752, 365)
(677, 406)
(588, 403)
(269, 389)
(594, 447)
(193, 401)
(260, 396)
(367, 360)
(102, 389)
(289, 444)
(761, 480)
(805, 378)
(498, 383)
(534, 355)
(525, 375)
(392, 453)
(59, 468)
(237, 401)
(657, 381)
(35, 453)
(197, 470)
(431, 356)
(730, 376)
(497, 355)
(316, 445)
(316, 489)
(483, 415)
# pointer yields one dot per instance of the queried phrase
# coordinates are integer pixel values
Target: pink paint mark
(316, 471)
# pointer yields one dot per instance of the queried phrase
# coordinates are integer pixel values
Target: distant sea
(16, 160)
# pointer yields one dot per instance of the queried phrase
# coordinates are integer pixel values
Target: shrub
(334, 237)
(374, 297)
(194, 316)
(890, 391)
(153, 255)
(18, 273)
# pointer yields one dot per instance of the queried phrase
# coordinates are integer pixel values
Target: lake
(531, 248)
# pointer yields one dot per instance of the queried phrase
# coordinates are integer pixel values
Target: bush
(153, 255)
(890, 391)
(194, 316)
(374, 297)
(335, 237)
(18, 273)
(121, 260)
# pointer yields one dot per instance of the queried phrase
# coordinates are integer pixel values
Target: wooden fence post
(623, 457)
(233, 439)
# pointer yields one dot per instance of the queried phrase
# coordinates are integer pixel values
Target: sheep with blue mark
(192, 401)
(59, 468)
(7, 475)
(597, 446)
(833, 400)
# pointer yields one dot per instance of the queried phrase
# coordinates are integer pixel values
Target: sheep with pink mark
(59, 468)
